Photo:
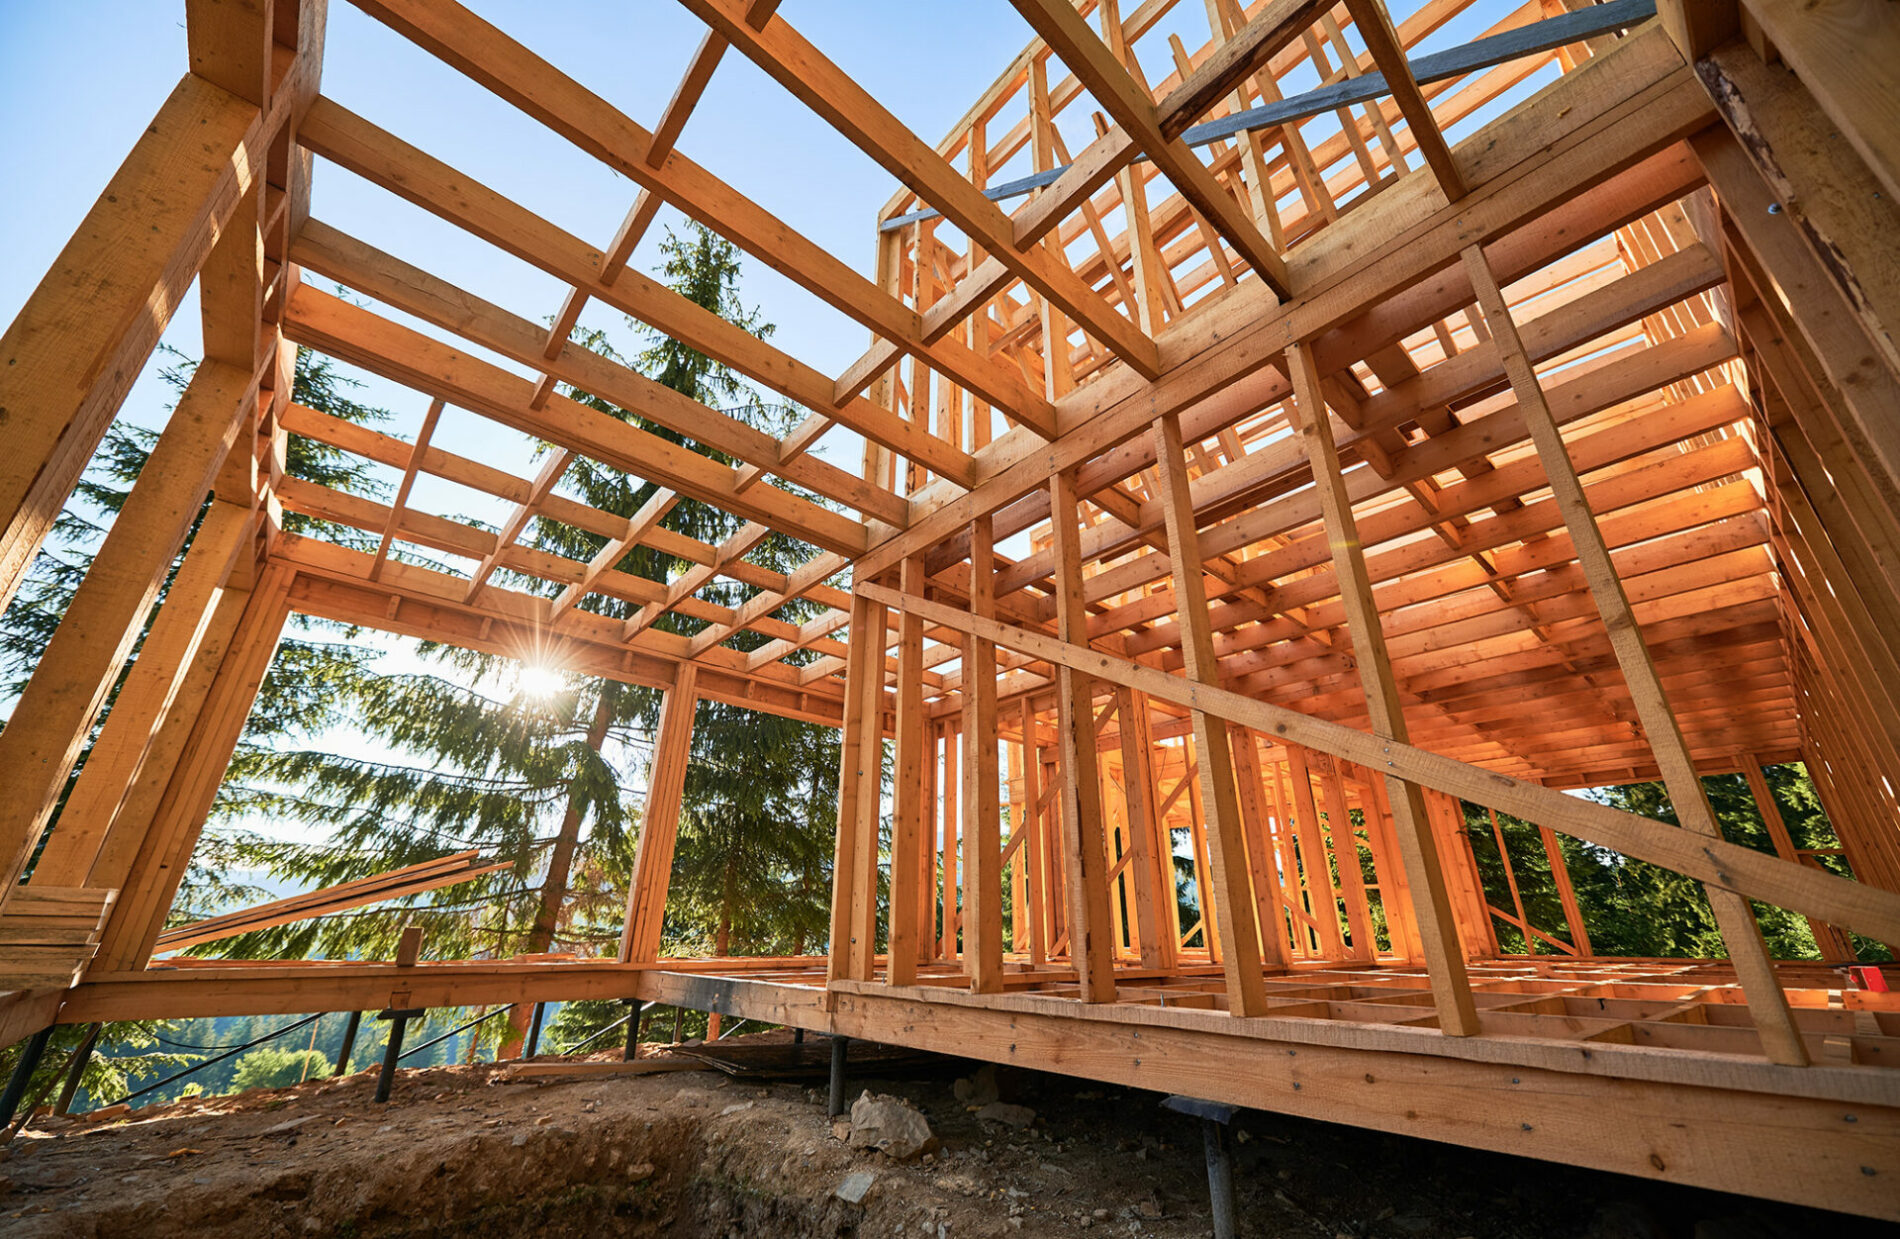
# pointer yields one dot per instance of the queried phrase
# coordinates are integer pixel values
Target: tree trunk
(722, 942)
(547, 913)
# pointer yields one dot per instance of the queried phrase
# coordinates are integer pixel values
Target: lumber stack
(396, 883)
(49, 933)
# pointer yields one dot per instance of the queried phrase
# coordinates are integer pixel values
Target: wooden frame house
(1348, 438)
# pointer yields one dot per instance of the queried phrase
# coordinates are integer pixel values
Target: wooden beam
(1437, 931)
(1848, 53)
(1375, 27)
(352, 334)
(1533, 163)
(85, 332)
(1084, 849)
(184, 631)
(161, 846)
(982, 820)
(487, 56)
(659, 823)
(1240, 57)
(910, 815)
(1240, 941)
(814, 80)
(1868, 911)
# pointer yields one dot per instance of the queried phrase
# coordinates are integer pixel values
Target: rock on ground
(891, 1126)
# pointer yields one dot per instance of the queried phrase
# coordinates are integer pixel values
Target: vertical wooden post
(925, 888)
(659, 825)
(982, 814)
(1320, 890)
(1154, 903)
(1030, 859)
(1437, 931)
(1240, 943)
(870, 803)
(1345, 845)
(907, 809)
(1767, 1002)
(1260, 864)
(1083, 856)
(952, 777)
(850, 788)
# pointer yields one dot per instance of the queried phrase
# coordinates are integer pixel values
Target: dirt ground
(465, 1151)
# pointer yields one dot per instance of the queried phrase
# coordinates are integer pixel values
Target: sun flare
(539, 682)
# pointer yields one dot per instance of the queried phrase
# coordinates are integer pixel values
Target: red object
(1868, 978)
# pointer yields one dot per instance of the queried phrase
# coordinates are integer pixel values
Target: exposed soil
(462, 1151)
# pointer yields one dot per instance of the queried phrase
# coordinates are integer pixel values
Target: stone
(1019, 1117)
(639, 1172)
(854, 1187)
(889, 1125)
(289, 1125)
(978, 1089)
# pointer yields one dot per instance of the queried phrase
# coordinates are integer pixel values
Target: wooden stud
(659, 823)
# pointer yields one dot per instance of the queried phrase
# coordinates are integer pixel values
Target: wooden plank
(1843, 215)
(393, 885)
(1084, 854)
(1848, 53)
(370, 151)
(1247, 53)
(851, 788)
(869, 684)
(404, 356)
(982, 820)
(1375, 27)
(908, 806)
(85, 332)
(182, 632)
(1240, 940)
(1150, 845)
(1579, 136)
(409, 288)
(814, 80)
(659, 822)
(1437, 931)
(161, 845)
(502, 65)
